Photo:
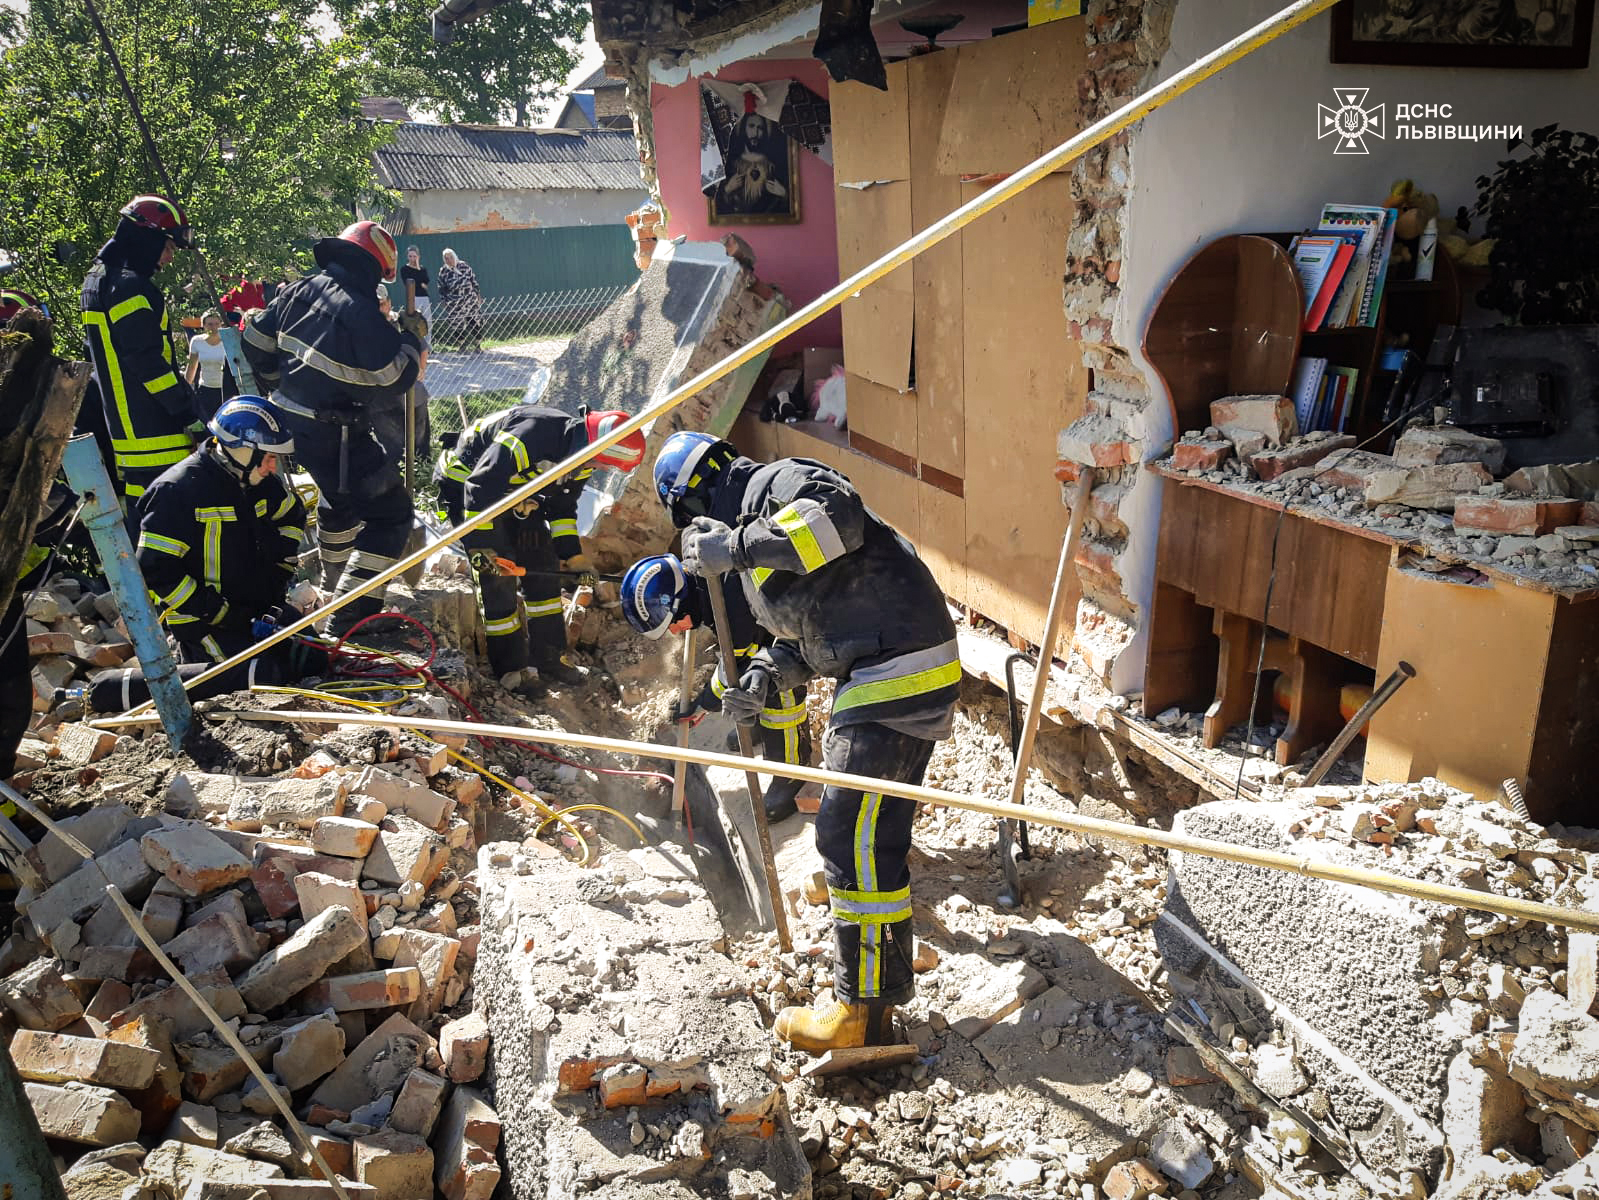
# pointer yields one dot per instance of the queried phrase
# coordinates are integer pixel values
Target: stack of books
(1343, 265)
(1322, 393)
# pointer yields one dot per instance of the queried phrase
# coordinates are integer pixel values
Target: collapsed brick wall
(1125, 43)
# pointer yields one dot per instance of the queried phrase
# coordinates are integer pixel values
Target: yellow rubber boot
(836, 1027)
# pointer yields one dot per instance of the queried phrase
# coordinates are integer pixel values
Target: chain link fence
(483, 357)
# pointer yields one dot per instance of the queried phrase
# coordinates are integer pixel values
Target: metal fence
(484, 357)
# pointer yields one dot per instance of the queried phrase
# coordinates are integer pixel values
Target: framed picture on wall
(762, 185)
(1464, 33)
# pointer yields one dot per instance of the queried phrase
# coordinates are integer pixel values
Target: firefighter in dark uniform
(843, 595)
(148, 406)
(218, 544)
(522, 613)
(659, 597)
(337, 366)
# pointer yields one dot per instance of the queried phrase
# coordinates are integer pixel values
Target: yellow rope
(1291, 17)
(539, 805)
(604, 808)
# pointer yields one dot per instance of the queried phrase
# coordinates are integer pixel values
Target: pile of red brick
(319, 916)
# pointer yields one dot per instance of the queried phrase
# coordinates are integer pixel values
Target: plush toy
(828, 402)
(1416, 208)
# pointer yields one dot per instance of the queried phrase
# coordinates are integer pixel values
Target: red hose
(381, 664)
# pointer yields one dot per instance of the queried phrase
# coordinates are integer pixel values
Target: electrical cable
(1331, 461)
(539, 805)
(628, 821)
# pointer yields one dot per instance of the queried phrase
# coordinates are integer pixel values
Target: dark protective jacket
(504, 450)
(326, 348)
(843, 595)
(148, 405)
(215, 552)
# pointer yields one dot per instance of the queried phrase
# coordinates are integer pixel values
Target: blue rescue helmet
(686, 473)
(248, 428)
(653, 593)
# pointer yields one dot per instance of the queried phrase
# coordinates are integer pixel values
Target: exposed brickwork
(1125, 43)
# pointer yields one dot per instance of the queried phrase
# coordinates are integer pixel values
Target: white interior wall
(1239, 153)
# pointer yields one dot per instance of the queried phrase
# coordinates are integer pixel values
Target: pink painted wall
(800, 259)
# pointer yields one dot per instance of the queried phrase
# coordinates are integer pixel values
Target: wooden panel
(1226, 325)
(942, 543)
(1180, 667)
(891, 494)
(1013, 98)
(879, 325)
(1470, 714)
(870, 138)
(871, 222)
(1330, 581)
(882, 414)
(936, 275)
(1027, 383)
(1559, 785)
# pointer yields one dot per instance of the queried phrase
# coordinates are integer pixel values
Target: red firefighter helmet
(13, 301)
(163, 215)
(626, 454)
(378, 242)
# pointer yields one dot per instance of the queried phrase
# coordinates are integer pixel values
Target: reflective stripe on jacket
(843, 594)
(148, 404)
(500, 453)
(216, 553)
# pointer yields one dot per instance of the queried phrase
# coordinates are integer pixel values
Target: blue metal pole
(102, 516)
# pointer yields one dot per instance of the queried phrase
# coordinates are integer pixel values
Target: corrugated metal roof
(599, 79)
(469, 157)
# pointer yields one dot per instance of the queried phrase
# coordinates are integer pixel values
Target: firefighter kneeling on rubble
(843, 595)
(218, 544)
(657, 597)
(517, 555)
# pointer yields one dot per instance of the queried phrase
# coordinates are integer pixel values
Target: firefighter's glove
(743, 704)
(584, 568)
(415, 324)
(486, 564)
(710, 548)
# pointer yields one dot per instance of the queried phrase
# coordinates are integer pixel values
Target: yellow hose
(539, 805)
(628, 821)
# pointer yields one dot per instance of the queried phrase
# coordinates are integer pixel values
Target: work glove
(584, 568)
(710, 547)
(414, 323)
(484, 562)
(743, 704)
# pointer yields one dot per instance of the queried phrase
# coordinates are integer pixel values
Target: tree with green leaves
(496, 67)
(256, 117)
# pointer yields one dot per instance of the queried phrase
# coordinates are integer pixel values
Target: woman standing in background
(462, 301)
(208, 359)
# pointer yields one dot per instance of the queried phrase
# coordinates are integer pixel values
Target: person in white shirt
(207, 371)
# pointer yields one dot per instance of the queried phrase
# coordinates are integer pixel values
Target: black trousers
(361, 528)
(864, 839)
(287, 662)
(522, 615)
(16, 684)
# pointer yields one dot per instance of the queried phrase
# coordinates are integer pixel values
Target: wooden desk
(1507, 678)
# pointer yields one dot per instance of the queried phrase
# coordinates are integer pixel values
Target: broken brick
(1515, 514)
(624, 1085)
(61, 1058)
(1184, 1068)
(1205, 455)
(464, 1046)
(162, 1098)
(1437, 486)
(343, 837)
(221, 940)
(1134, 1179)
(1269, 464)
(195, 1125)
(416, 1108)
(184, 1017)
(405, 851)
(77, 1112)
(297, 802)
(398, 1165)
(1272, 417)
(77, 745)
(300, 961)
(194, 858)
(369, 990)
(39, 997)
(1439, 444)
(308, 1051)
